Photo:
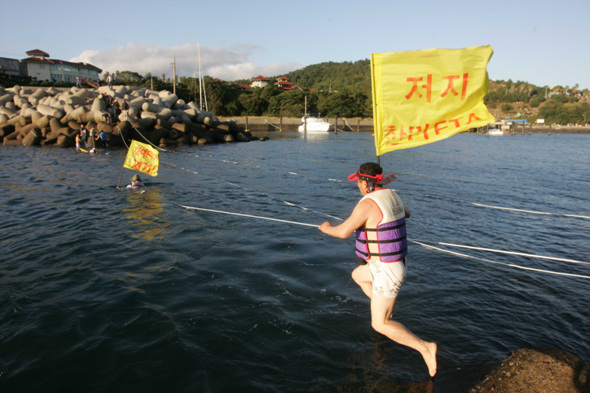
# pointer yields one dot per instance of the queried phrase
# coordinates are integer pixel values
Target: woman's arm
(357, 219)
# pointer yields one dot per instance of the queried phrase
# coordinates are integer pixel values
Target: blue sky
(541, 42)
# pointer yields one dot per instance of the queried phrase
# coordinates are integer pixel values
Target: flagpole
(373, 95)
(120, 175)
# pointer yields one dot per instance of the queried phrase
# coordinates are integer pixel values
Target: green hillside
(339, 84)
(344, 90)
(354, 76)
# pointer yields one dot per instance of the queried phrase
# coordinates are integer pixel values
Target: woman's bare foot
(430, 358)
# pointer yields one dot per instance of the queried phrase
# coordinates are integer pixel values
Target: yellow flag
(143, 158)
(424, 96)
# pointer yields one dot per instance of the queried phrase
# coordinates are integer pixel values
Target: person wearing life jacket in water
(379, 220)
(135, 182)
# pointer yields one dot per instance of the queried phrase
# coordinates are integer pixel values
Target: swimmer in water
(135, 182)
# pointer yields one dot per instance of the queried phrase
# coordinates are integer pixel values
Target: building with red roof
(40, 67)
(283, 83)
(259, 81)
(38, 53)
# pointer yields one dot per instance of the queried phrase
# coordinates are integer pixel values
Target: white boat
(314, 124)
(495, 132)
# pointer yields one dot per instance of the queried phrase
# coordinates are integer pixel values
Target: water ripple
(114, 290)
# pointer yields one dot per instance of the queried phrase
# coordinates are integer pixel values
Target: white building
(259, 81)
(40, 67)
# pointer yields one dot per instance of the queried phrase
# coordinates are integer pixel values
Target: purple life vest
(388, 241)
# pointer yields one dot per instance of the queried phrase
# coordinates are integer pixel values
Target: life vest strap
(368, 254)
(381, 241)
(384, 228)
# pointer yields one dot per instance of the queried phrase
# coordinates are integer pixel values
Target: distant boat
(314, 124)
(495, 132)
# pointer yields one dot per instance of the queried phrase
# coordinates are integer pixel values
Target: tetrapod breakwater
(51, 116)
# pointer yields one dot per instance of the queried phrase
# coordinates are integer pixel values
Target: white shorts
(387, 277)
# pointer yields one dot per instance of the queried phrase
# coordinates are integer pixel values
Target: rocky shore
(538, 370)
(48, 116)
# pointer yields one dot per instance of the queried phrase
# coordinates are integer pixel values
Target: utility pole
(202, 93)
(174, 76)
(305, 116)
(200, 79)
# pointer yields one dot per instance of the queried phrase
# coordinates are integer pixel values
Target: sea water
(124, 291)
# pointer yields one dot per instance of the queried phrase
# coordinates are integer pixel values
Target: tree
(344, 103)
(560, 98)
(535, 102)
(253, 103)
(507, 108)
(219, 94)
(289, 104)
(158, 83)
(129, 78)
(234, 108)
(269, 91)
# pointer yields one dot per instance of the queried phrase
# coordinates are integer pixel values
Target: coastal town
(39, 66)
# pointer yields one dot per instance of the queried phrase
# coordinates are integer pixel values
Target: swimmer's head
(372, 173)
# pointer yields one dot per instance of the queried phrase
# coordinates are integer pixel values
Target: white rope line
(513, 253)
(256, 191)
(346, 122)
(147, 140)
(249, 215)
(260, 192)
(268, 122)
(529, 211)
(422, 244)
(414, 241)
(501, 263)
(277, 199)
(473, 203)
(307, 209)
(122, 137)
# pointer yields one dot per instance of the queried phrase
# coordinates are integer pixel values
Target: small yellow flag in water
(425, 96)
(143, 158)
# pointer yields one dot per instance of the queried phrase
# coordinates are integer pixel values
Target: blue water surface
(117, 290)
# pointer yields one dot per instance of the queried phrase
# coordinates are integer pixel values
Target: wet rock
(536, 371)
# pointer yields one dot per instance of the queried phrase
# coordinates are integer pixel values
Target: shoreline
(290, 124)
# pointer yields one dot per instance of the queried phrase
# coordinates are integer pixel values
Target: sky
(543, 42)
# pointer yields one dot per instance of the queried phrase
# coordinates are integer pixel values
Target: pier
(290, 124)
